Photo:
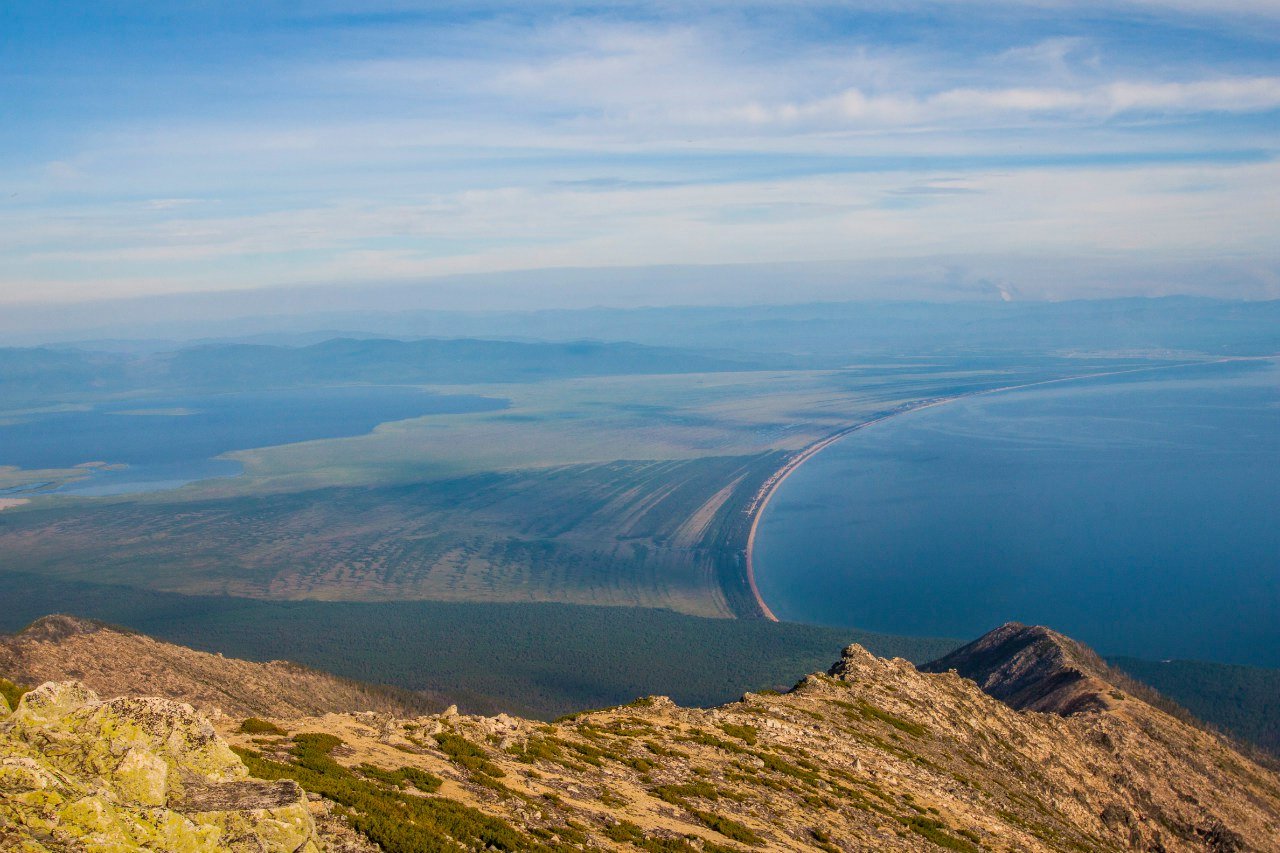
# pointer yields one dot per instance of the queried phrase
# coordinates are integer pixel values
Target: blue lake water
(166, 442)
(1138, 513)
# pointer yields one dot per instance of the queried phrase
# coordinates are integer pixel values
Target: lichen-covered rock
(81, 774)
(51, 701)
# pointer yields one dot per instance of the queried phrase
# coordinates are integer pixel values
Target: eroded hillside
(116, 662)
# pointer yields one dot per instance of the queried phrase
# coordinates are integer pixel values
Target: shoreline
(760, 501)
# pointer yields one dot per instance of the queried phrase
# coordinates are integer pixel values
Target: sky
(1040, 149)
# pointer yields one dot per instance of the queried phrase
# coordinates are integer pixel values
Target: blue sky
(170, 147)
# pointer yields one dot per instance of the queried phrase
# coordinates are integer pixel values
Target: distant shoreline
(760, 501)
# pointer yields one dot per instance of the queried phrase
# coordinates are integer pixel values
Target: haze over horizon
(555, 155)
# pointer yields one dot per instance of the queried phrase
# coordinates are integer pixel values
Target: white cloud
(592, 83)
(969, 108)
(1170, 211)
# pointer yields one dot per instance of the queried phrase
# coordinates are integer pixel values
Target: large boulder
(81, 773)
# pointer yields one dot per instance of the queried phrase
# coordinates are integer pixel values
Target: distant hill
(454, 347)
(831, 333)
(117, 662)
(842, 330)
(427, 362)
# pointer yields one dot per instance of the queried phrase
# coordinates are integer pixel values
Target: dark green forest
(1242, 700)
(544, 660)
(539, 660)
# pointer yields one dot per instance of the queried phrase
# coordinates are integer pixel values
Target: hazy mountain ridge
(817, 329)
(875, 755)
(42, 372)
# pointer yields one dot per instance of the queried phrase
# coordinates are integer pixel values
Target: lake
(1138, 513)
(167, 442)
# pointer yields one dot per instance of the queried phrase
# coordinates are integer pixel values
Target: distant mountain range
(523, 347)
(44, 372)
(815, 330)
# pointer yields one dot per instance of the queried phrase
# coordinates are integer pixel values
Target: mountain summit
(1033, 668)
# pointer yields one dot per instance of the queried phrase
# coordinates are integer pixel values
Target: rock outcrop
(116, 662)
(78, 773)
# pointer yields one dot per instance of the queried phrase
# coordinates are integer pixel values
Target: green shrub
(420, 779)
(868, 711)
(823, 841)
(636, 763)
(666, 752)
(728, 828)
(777, 765)
(625, 832)
(747, 734)
(12, 692)
(399, 822)
(936, 832)
(255, 726)
(676, 794)
(708, 739)
(464, 752)
(538, 749)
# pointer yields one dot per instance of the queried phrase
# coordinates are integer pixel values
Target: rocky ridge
(872, 755)
(1033, 668)
(117, 662)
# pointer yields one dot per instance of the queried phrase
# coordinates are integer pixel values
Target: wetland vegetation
(567, 481)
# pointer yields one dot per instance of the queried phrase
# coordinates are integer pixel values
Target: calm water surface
(1140, 514)
(165, 443)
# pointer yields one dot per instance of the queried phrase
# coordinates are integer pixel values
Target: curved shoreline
(770, 486)
(760, 501)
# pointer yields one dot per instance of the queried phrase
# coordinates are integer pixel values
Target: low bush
(255, 726)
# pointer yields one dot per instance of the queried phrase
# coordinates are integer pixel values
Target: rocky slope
(115, 662)
(873, 755)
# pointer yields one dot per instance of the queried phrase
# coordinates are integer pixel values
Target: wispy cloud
(330, 143)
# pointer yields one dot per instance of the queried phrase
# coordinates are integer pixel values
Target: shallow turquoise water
(166, 442)
(1140, 514)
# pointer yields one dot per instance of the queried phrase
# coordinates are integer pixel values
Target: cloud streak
(349, 147)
